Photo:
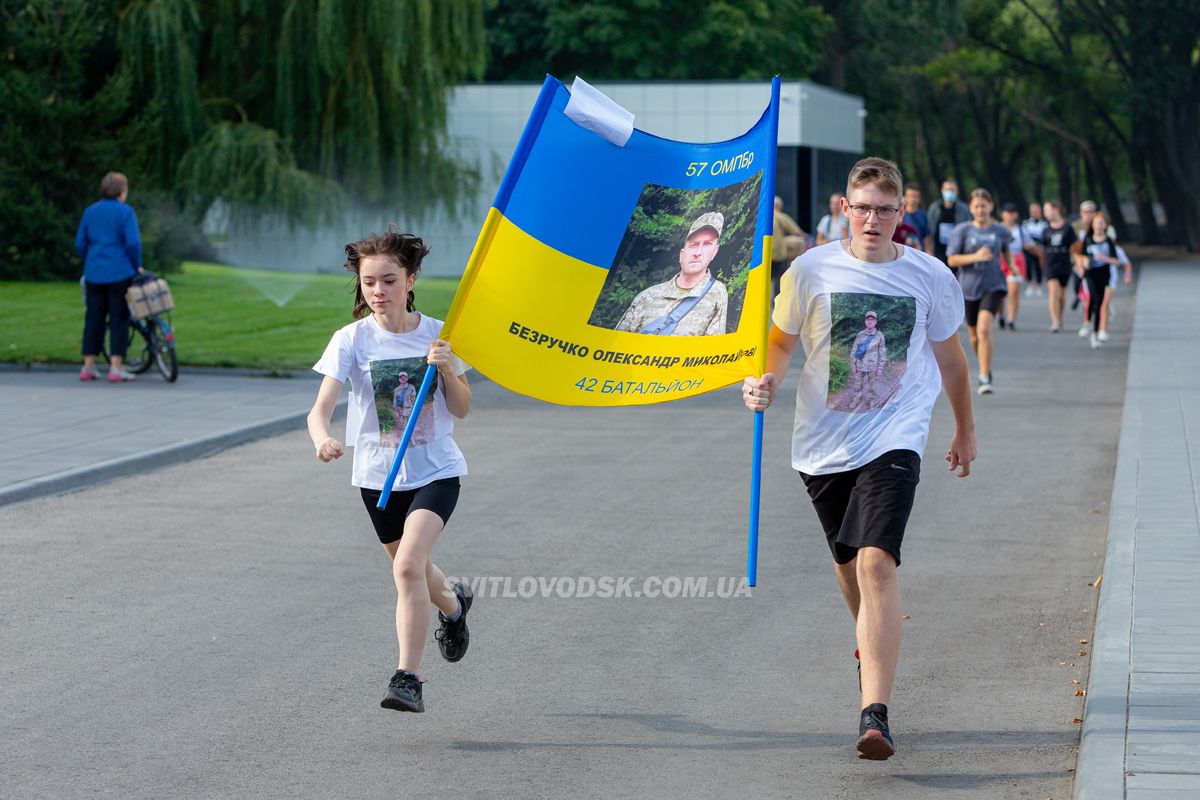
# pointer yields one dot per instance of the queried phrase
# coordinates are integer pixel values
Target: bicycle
(157, 347)
(151, 342)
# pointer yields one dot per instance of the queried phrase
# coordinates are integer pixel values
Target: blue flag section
(619, 268)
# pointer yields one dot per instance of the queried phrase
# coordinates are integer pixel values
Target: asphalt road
(224, 629)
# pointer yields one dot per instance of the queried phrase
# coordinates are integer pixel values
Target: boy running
(860, 464)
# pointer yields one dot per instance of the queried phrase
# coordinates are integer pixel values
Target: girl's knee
(407, 569)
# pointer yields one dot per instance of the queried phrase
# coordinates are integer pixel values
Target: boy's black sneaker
(404, 693)
(874, 739)
(453, 637)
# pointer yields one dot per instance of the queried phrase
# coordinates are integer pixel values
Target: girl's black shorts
(867, 506)
(991, 302)
(440, 497)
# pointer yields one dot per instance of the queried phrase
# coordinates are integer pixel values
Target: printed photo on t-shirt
(868, 349)
(395, 382)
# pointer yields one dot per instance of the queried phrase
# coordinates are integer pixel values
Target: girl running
(977, 249)
(1016, 273)
(379, 353)
(1056, 243)
(1098, 257)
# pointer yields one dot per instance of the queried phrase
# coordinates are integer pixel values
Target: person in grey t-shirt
(976, 249)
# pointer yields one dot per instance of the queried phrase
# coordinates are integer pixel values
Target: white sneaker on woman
(1095, 340)
(1103, 336)
(120, 375)
(1085, 330)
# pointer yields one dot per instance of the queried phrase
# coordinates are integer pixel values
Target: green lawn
(223, 317)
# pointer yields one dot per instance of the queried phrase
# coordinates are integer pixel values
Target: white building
(820, 137)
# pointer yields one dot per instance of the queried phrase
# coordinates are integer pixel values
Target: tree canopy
(296, 108)
(286, 107)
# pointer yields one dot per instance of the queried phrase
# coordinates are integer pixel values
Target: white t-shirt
(831, 229)
(846, 419)
(1020, 239)
(385, 370)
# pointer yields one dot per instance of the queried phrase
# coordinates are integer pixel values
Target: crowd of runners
(998, 262)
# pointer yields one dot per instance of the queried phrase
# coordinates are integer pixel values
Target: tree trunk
(1147, 224)
(1168, 192)
(1108, 189)
(1181, 146)
(1062, 166)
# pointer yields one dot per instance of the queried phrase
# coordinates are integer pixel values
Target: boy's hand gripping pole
(418, 404)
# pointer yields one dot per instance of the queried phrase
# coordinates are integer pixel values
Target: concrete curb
(85, 477)
(239, 372)
(1100, 767)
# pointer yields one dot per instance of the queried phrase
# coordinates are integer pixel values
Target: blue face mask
(949, 197)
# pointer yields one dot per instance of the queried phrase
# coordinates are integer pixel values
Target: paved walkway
(1141, 730)
(61, 434)
(1141, 733)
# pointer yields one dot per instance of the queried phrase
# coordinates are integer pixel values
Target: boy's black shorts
(867, 506)
(440, 497)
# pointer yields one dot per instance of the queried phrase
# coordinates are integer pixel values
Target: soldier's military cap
(713, 219)
(871, 314)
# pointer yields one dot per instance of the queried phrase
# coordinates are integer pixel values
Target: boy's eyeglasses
(864, 211)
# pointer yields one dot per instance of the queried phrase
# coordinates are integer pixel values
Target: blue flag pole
(426, 382)
(755, 490)
(756, 460)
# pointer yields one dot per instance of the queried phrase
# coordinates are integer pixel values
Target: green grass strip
(223, 317)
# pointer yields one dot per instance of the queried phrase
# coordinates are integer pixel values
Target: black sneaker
(874, 738)
(404, 693)
(1001, 321)
(453, 637)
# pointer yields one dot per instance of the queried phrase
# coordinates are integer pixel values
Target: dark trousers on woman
(1097, 282)
(106, 300)
(1033, 266)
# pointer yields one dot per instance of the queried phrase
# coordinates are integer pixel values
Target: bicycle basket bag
(149, 297)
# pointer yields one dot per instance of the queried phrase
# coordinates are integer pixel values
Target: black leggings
(106, 299)
(1097, 282)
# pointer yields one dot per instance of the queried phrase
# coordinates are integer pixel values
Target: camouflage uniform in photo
(707, 318)
(707, 315)
(865, 382)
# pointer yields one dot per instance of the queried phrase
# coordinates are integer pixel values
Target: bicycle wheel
(164, 349)
(140, 355)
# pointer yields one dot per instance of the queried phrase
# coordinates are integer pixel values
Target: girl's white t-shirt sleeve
(788, 315)
(338, 358)
(948, 310)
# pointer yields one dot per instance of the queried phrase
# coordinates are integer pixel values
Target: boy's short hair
(112, 185)
(879, 171)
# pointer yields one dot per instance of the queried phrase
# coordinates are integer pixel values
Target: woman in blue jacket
(110, 245)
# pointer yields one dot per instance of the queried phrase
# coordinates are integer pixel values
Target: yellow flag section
(611, 274)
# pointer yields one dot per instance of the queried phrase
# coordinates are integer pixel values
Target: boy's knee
(875, 565)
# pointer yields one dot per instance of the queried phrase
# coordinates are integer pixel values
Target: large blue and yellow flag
(620, 268)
